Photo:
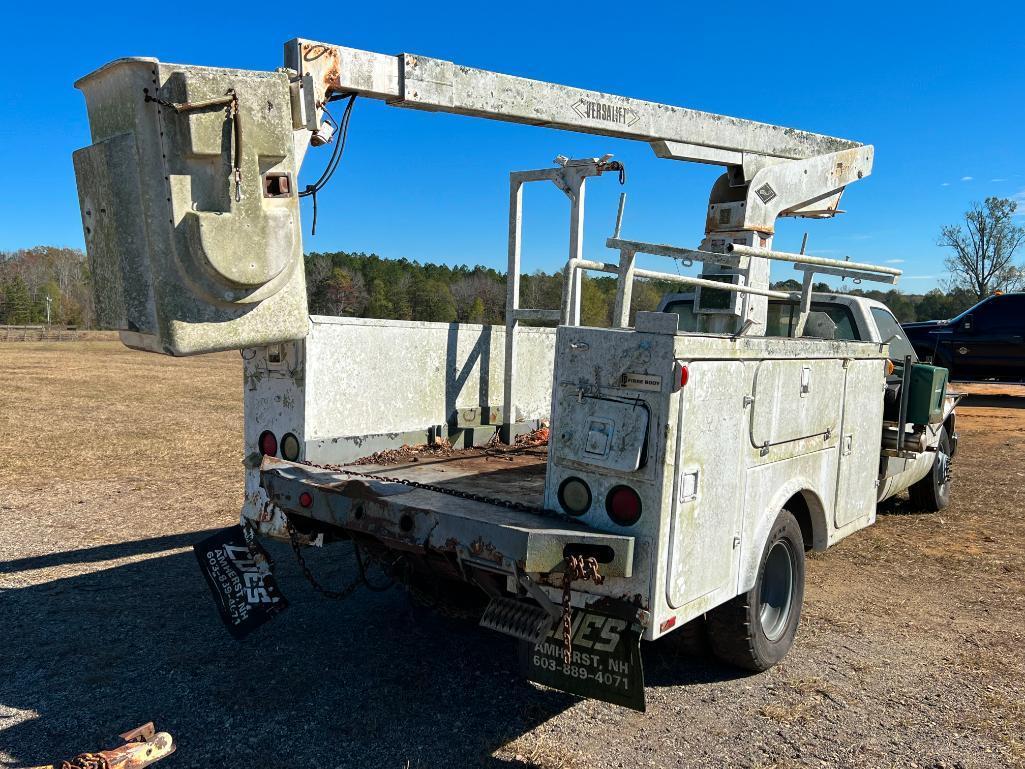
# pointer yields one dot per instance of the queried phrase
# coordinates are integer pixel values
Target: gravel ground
(910, 651)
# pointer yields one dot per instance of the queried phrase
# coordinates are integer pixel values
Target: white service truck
(690, 463)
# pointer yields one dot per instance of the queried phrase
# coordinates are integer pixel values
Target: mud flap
(238, 571)
(606, 663)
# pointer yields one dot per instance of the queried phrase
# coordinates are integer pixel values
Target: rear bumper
(406, 518)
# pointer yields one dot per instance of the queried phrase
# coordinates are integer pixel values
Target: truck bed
(404, 517)
(517, 474)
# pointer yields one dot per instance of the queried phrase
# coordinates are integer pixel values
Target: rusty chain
(86, 761)
(336, 595)
(229, 100)
(509, 504)
(577, 568)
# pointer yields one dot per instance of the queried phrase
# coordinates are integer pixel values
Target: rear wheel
(756, 629)
(932, 493)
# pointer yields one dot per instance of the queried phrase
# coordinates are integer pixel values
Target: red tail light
(306, 499)
(268, 444)
(623, 505)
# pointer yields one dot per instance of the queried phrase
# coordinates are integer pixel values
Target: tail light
(289, 447)
(306, 499)
(574, 496)
(623, 505)
(268, 444)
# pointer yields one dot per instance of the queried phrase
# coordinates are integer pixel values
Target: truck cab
(986, 341)
(854, 318)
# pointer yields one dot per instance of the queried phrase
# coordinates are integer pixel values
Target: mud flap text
(605, 664)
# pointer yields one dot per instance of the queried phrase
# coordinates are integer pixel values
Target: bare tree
(983, 248)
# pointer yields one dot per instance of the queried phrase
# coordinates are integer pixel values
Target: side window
(984, 318)
(889, 327)
(1004, 314)
(779, 318)
(841, 316)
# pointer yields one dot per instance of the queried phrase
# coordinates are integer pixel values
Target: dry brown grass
(110, 444)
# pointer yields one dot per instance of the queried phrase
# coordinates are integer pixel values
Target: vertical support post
(624, 290)
(512, 304)
(619, 214)
(802, 318)
(576, 244)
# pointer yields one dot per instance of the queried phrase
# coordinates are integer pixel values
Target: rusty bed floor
(517, 474)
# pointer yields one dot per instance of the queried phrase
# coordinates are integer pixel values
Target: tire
(756, 629)
(932, 493)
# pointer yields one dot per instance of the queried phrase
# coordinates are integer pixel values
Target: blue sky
(938, 89)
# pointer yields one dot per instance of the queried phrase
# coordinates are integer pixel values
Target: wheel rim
(777, 595)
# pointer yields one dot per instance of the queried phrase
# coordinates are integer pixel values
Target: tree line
(981, 251)
(369, 286)
(33, 280)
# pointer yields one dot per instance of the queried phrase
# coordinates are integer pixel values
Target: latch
(689, 486)
(805, 380)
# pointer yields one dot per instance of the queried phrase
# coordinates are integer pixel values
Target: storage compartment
(927, 390)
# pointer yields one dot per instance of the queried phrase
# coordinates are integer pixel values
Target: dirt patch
(910, 651)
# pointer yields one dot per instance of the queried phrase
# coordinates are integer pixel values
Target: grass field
(911, 650)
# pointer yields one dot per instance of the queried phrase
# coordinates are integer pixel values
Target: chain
(509, 504)
(229, 100)
(337, 595)
(577, 568)
(86, 761)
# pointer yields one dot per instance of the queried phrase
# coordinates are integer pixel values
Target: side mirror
(966, 324)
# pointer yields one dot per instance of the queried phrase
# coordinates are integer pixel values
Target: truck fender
(799, 497)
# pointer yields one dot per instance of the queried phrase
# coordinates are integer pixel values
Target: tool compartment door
(859, 442)
(709, 483)
(795, 400)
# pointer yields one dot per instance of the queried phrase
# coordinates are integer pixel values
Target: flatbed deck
(517, 475)
(470, 523)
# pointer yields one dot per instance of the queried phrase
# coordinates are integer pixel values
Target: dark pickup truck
(986, 341)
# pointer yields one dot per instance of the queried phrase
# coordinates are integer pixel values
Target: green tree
(52, 290)
(937, 305)
(595, 309)
(432, 301)
(477, 312)
(345, 293)
(379, 306)
(646, 297)
(17, 302)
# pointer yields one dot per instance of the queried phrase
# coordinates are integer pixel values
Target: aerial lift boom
(184, 146)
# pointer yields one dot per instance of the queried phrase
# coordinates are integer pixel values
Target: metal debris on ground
(143, 746)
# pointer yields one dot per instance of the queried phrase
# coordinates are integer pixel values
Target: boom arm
(189, 196)
(419, 82)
